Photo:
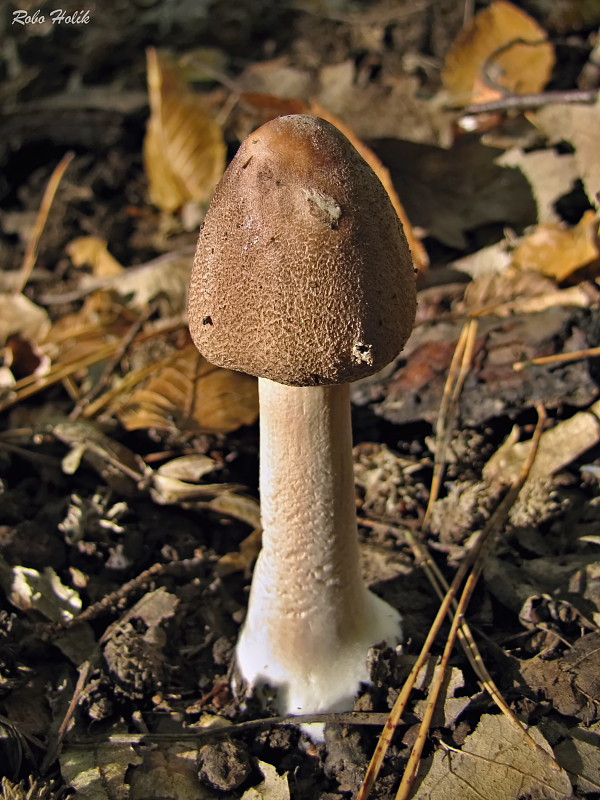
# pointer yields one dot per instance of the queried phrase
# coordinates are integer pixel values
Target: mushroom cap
(302, 272)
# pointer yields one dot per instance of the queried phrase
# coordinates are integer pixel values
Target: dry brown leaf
(550, 174)
(490, 290)
(244, 558)
(92, 250)
(187, 393)
(558, 447)
(184, 150)
(558, 251)
(501, 49)
(418, 252)
(496, 762)
(178, 480)
(579, 125)
(239, 506)
(19, 316)
(99, 322)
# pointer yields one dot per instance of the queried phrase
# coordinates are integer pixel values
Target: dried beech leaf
(579, 125)
(490, 290)
(168, 771)
(558, 251)
(502, 48)
(166, 277)
(188, 468)
(92, 250)
(238, 506)
(452, 702)
(550, 174)
(558, 447)
(168, 491)
(244, 558)
(189, 394)
(19, 316)
(578, 754)
(418, 252)
(100, 322)
(184, 150)
(28, 589)
(99, 771)
(496, 763)
(274, 786)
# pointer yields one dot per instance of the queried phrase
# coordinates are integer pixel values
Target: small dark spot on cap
(207, 321)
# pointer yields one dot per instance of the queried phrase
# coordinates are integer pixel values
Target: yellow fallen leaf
(187, 393)
(92, 250)
(502, 49)
(184, 150)
(243, 559)
(558, 251)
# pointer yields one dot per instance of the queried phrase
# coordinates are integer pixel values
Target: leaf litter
(129, 514)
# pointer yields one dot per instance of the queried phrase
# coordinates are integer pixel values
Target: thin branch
(492, 526)
(526, 102)
(236, 729)
(30, 256)
(574, 355)
(457, 374)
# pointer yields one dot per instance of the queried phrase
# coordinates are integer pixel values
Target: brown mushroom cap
(302, 273)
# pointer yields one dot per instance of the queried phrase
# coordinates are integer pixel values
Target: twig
(499, 518)
(31, 384)
(526, 102)
(457, 374)
(40, 221)
(574, 355)
(109, 601)
(55, 744)
(236, 729)
(493, 525)
(109, 368)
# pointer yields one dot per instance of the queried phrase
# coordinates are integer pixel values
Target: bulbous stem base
(310, 620)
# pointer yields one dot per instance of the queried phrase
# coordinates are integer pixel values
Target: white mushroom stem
(310, 620)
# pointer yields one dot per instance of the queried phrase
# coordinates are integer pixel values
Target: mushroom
(303, 278)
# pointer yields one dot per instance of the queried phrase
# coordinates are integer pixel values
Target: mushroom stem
(311, 619)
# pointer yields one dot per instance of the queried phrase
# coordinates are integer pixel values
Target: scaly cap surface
(302, 272)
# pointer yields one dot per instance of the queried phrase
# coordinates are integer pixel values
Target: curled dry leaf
(577, 124)
(169, 771)
(501, 50)
(550, 175)
(558, 251)
(274, 786)
(558, 447)
(100, 771)
(187, 393)
(19, 316)
(184, 150)
(92, 250)
(242, 559)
